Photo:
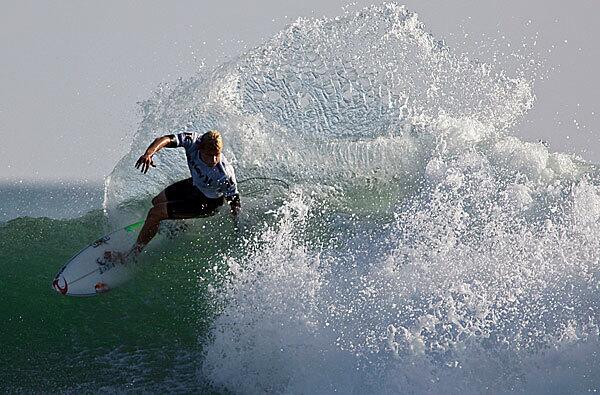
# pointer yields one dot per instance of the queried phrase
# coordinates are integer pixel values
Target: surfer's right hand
(144, 162)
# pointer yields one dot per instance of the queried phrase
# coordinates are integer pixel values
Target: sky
(73, 71)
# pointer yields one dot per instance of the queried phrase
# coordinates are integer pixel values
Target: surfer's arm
(145, 161)
(232, 195)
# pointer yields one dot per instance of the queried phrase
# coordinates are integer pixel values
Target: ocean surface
(415, 246)
(59, 200)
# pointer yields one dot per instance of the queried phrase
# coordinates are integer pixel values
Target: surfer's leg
(150, 228)
(176, 191)
(180, 200)
(160, 198)
(158, 212)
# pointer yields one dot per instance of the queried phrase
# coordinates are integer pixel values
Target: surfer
(212, 182)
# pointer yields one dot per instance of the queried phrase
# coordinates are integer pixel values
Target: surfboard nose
(60, 285)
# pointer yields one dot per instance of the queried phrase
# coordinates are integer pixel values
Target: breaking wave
(420, 248)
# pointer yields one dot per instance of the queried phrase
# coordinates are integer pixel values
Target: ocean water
(418, 246)
(67, 199)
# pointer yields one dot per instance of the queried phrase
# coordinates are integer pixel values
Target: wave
(420, 248)
(306, 109)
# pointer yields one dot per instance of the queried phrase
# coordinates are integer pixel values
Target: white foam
(423, 249)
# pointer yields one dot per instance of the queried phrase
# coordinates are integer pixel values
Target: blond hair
(211, 141)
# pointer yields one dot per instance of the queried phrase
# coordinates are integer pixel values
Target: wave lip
(298, 106)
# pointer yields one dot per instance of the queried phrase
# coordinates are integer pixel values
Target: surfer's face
(210, 156)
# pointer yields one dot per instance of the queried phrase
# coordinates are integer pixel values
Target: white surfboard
(90, 273)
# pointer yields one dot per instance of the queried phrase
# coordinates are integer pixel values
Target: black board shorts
(184, 200)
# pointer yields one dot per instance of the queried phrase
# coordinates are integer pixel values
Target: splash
(455, 295)
(325, 99)
(422, 247)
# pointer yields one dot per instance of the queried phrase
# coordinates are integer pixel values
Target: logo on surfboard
(100, 241)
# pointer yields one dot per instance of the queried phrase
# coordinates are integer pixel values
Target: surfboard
(90, 272)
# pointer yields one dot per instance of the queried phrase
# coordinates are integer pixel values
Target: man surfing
(212, 182)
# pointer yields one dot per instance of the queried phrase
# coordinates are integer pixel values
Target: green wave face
(142, 333)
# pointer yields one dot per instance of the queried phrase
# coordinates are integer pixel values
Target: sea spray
(422, 248)
(319, 99)
(467, 281)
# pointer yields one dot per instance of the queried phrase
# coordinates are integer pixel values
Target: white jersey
(213, 182)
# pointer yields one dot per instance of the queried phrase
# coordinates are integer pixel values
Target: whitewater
(417, 246)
